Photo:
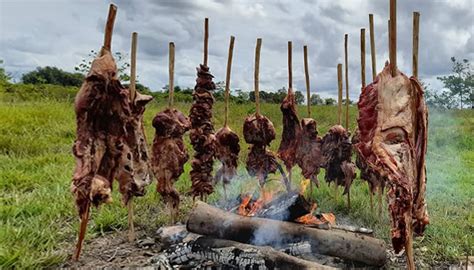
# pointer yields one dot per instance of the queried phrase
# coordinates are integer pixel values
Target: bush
(24, 92)
(52, 75)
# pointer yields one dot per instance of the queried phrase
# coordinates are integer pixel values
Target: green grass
(38, 221)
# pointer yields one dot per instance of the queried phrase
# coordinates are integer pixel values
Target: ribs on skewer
(202, 133)
(337, 151)
(308, 150)
(291, 131)
(259, 131)
(228, 148)
(393, 139)
(168, 152)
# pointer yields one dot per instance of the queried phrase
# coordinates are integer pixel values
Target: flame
(310, 219)
(249, 209)
(304, 185)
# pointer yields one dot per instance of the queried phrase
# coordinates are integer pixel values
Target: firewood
(208, 220)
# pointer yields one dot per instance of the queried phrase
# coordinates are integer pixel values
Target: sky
(62, 32)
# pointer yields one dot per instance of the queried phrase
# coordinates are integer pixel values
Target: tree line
(457, 92)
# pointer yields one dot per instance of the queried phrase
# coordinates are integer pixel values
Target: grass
(38, 221)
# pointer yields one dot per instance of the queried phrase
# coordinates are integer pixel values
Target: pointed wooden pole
(346, 37)
(227, 79)
(362, 57)
(372, 46)
(206, 39)
(290, 89)
(339, 111)
(256, 74)
(82, 232)
(393, 36)
(132, 88)
(109, 28)
(306, 75)
(416, 31)
(171, 75)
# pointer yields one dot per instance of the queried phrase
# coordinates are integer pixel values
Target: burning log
(207, 220)
(228, 253)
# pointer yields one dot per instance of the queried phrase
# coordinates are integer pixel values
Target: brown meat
(291, 131)
(308, 150)
(258, 130)
(168, 152)
(102, 112)
(202, 133)
(228, 149)
(393, 137)
(337, 152)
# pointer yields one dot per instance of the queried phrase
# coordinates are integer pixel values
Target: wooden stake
(256, 73)
(372, 46)
(362, 57)
(227, 81)
(346, 36)
(131, 227)
(206, 39)
(339, 99)
(389, 44)
(306, 74)
(171, 75)
(290, 68)
(393, 36)
(349, 199)
(380, 193)
(409, 244)
(109, 27)
(371, 200)
(133, 67)
(416, 30)
(82, 232)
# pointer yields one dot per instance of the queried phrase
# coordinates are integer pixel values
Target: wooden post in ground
(393, 36)
(339, 111)
(109, 27)
(346, 56)
(416, 31)
(308, 96)
(206, 40)
(256, 73)
(171, 75)
(132, 88)
(290, 89)
(227, 79)
(372, 46)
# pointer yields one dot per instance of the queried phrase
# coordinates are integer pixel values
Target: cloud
(61, 33)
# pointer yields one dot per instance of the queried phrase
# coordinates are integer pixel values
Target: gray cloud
(61, 33)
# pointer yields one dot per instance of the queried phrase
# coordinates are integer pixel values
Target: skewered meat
(228, 149)
(337, 152)
(393, 138)
(168, 152)
(259, 131)
(202, 133)
(308, 150)
(291, 130)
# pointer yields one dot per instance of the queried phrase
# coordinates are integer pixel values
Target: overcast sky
(61, 33)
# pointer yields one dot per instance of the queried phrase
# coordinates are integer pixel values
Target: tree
(299, 97)
(52, 75)
(316, 99)
(4, 77)
(123, 67)
(461, 83)
(329, 101)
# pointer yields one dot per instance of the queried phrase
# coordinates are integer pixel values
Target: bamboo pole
(372, 46)
(346, 37)
(109, 28)
(206, 39)
(256, 73)
(227, 81)
(306, 74)
(393, 36)
(132, 87)
(171, 75)
(416, 30)
(339, 96)
(290, 68)
(133, 67)
(362, 57)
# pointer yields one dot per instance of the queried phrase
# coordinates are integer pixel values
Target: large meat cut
(393, 138)
(168, 152)
(202, 133)
(337, 151)
(308, 150)
(110, 141)
(291, 131)
(227, 152)
(259, 131)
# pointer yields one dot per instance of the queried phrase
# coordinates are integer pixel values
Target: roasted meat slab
(291, 131)
(393, 137)
(308, 150)
(228, 149)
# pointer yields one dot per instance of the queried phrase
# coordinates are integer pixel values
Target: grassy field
(38, 221)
